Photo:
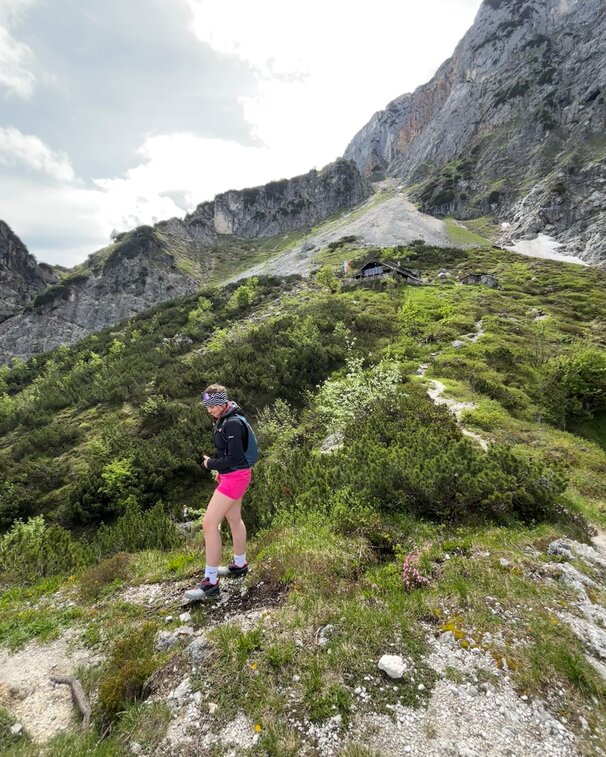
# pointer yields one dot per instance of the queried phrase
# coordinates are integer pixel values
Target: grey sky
(119, 70)
(115, 113)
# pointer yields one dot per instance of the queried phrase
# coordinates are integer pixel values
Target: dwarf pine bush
(32, 550)
(136, 530)
(408, 455)
(575, 385)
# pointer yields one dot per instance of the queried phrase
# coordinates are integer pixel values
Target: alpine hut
(374, 269)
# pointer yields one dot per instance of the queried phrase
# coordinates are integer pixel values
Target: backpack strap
(244, 422)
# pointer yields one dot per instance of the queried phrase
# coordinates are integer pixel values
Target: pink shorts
(234, 484)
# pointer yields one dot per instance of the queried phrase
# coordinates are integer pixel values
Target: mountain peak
(512, 125)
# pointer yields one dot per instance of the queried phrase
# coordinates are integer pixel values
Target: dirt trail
(437, 388)
(599, 542)
(43, 708)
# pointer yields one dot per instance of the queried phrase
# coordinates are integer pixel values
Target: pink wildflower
(411, 576)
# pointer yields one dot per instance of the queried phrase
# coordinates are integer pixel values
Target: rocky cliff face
(513, 125)
(153, 264)
(21, 278)
(132, 275)
(282, 206)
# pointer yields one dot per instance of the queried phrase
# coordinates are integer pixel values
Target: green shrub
(340, 400)
(490, 384)
(574, 387)
(136, 530)
(407, 455)
(326, 278)
(242, 297)
(33, 550)
(97, 577)
(422, 309)
(131, 662)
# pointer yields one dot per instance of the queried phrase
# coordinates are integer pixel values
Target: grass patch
(18, 626)
(459, 235)
(105, 577)
(484, 227)
(12, 743)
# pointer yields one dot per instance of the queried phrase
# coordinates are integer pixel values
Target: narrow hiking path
(43, 708)
(437, 389)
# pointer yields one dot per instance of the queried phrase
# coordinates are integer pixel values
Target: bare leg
(236, 524)
(216, 511)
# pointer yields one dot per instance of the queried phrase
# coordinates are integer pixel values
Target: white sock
(211, 574)
(240, 560)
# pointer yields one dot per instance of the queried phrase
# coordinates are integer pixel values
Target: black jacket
(231, 439)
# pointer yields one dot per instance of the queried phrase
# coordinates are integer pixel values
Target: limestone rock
(152, 264)
(284, 205)
(166, 640)
(198, 650)
(394, 665)
(511, 125)
(332, 443)
(21, 276)
(182, 690)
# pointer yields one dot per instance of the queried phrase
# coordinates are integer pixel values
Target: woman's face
(217, 410)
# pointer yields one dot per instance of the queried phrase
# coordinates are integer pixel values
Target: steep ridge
(21, 277)
(512, 125)
(150, 265)
(282, 206)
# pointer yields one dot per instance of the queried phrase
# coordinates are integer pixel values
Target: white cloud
(15, 57)
(322, 71)
(321, 77)
(325, 68)
(59, 223)
(185, 165)
(175, 165)
(26, 149)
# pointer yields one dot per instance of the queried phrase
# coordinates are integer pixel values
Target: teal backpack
(251, 453)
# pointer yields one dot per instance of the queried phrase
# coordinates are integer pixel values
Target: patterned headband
(211, 400)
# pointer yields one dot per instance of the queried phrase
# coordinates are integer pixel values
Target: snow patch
(543, 247)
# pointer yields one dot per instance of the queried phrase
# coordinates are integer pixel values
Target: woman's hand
(205, 461)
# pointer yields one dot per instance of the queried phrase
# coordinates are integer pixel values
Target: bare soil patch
(42, 707)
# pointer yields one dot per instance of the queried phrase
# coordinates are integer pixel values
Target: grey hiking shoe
(233, 570)
(202, 590)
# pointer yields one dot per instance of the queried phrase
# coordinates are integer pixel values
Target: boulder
(394, 665)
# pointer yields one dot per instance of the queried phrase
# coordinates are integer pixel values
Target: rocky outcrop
(21, 277)
(130, 277)
(152, 264)
(513, 125)
(281, 206)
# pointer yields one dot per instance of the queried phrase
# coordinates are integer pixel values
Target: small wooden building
(374, 269)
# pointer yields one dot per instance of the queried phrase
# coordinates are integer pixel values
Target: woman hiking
(236, 452)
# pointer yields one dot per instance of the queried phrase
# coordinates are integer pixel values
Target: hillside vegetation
(370, 514)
